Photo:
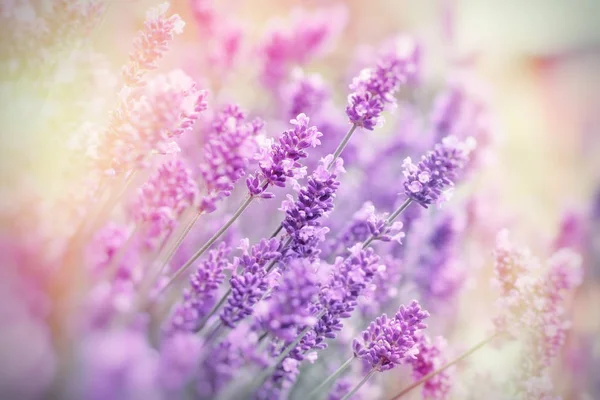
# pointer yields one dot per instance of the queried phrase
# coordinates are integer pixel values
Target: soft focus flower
(430, 358)
(151, 43)
(288, 308)
(426, 181)
(227, 151)
(389, 342)
(179, 359)
(305, 94)
(163, 199)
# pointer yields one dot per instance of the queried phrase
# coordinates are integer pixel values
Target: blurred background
(538, 60)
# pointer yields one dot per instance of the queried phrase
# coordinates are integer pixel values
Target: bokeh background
(538, 61)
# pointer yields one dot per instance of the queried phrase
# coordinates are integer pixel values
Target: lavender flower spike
(374, 88)
(388, 342)
(425, 182)
(280, 160)
(249, 285)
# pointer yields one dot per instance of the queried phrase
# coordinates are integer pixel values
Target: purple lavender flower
(280, 161)
(303, 217)
(439, 274)
(163, 198)
(118, 365)
(199, 298)
(289, 307)
(366, 222)
(249, 284)
(390, 342)
(374, 89)
(437, 170)
(430, 358)
(305, 94)
(179, 360)
(227, 152)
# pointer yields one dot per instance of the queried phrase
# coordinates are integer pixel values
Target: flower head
(373, 90)
(280, 160)
(430, 358)
(151, 43)
(426, 181)
(227, 152)
(388, 342)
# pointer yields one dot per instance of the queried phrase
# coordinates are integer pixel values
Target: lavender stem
(209, 243)
(331, 377)
(442, 369)
(359, 385)
(341, 146)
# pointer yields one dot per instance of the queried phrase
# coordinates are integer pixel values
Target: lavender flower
(303, 217)
(305, 94)
(179, 359)
(227, 151)
(288, 308)
(439, 274)
(280, 160)
(199, 298)
(151, 43)
(366, 222)
(163, 199)
(250, 283)
(374, 89)
(390, 342)
(436, 171)
(430, 358)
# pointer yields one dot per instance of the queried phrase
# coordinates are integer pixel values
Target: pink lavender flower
(571, 231)
(300, 41)
(389, 342)
(303, 217)
(373, 90)
(151, 122)
(229, 146)
(430, 358)
(438, 169)
(163, 199)
(199, 298)
(118, 365)
(280, 161)
(249, 284)
(151, 43)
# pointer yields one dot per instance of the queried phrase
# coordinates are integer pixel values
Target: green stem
(359, 385)
(209, 243)
(175, 246)
(443, 368)
(331, 377)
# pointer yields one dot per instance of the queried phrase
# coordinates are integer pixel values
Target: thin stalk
(443, 368)
(173, 249)
(342, 146)
(112, 268)
(209, 243)
(331, 377)
(390, 219)
(279, 228)
(221, 301)
(359, 385)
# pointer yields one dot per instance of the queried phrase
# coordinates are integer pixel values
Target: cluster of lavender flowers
(310, 284)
